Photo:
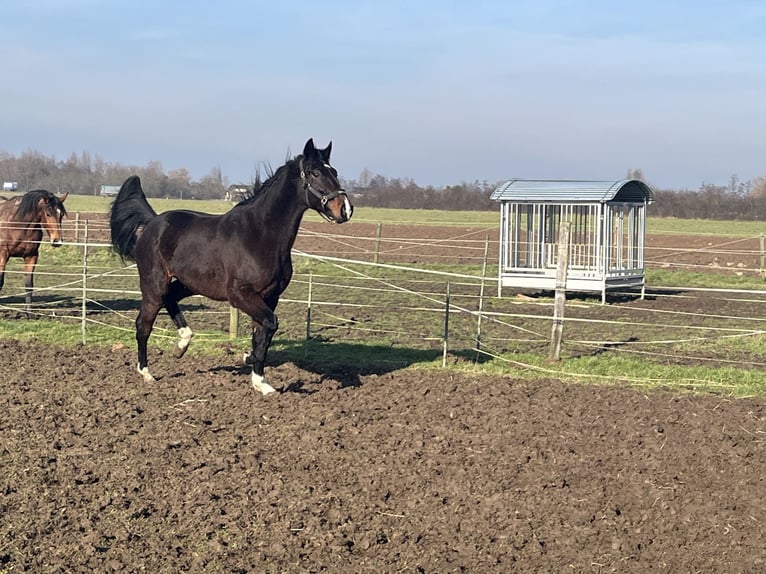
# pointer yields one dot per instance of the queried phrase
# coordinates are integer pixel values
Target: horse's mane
(29, 201)
(260, 188)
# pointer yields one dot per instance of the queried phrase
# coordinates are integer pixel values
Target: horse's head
(320, 182)
(52, 212)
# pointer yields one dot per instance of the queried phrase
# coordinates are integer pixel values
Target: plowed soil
(357, 471)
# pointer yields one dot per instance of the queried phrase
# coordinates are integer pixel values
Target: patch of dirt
(407, 243)
(356, 471)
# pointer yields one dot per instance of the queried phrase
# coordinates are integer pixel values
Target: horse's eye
(316, 173)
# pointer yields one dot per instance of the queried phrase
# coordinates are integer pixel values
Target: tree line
(85, 174)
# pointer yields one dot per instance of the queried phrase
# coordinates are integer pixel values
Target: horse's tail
(129, 213)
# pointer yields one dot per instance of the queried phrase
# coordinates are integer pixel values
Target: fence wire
(375, 288)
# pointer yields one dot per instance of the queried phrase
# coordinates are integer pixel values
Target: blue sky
(436, 91)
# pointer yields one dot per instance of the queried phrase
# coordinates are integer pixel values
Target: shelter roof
(573, 191)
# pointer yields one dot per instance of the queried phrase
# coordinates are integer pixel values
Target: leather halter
(323, 198)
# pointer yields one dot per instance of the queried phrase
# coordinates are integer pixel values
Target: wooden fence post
(84, 280)
(561, 292)
(308, 317)
(763, 256)
(378, 233)
(233, 322)
(446, 327)
(481, 298)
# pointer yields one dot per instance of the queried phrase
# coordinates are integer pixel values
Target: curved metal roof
(573, 191)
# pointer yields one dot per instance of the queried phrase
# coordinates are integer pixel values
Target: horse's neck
(8, 208)
(30, 219)
(280, 210)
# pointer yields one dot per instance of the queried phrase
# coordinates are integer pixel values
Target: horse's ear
(309, 149)
(63, 197)
(325, 153)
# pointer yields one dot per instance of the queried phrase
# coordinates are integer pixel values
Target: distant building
(237, 192)
(109, 190)
(10, 186)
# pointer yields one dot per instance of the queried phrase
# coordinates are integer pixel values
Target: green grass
(687, 279)
(674, 226)
(98, 204)
(620, 370)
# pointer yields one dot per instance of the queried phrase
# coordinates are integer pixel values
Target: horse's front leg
(30, 262)
(265, 324)
(3, 261)
(263, 331)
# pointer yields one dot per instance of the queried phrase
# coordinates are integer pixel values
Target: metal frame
(606, 251)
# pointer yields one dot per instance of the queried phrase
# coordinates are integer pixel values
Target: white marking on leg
(186, 335)
(260, 384)
(148, 378)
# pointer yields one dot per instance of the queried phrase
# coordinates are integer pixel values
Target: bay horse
(22, 221)
(242, 256)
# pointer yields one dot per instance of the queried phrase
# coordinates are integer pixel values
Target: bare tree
(758, 186)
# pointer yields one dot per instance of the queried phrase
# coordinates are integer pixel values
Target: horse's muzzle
(58, 242)
(339, 209)
(347, 210)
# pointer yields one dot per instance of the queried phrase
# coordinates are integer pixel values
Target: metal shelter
(607, 233)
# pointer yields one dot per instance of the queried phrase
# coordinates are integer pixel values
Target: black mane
(260, 188)
(29, 200)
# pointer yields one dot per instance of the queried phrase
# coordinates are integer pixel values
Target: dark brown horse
(22, 221)
(242, 256)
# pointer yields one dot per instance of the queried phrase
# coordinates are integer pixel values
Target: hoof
(148, 378)
(186, 335)
(260, 384)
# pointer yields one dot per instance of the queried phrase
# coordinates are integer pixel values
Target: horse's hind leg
(144, 324)
(176, 292)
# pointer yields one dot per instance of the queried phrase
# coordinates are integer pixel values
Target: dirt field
(368, 470)
(404, 471)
